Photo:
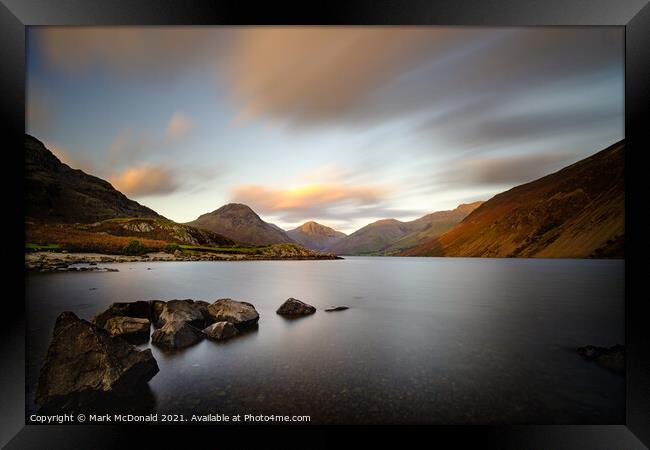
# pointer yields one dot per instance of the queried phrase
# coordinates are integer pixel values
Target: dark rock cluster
(612, 358)
(88, 361)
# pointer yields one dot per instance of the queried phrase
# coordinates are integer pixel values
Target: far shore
(47, 261)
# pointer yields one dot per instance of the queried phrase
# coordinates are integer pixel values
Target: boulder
(337, 308)
(176, 334)
(156, 309)
(612, 358)
(220, 331)
(294, 307)
(84, 364)
(195, 313)
(132, 329)
(140, 309)
(240, 314)
(614, 361)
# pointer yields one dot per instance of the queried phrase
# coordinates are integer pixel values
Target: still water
(426, 340)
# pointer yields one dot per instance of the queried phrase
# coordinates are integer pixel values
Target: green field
(39, 247)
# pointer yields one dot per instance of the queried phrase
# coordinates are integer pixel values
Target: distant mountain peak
(315, 227)
(389, 236)
(313, 235)
(387, 221)
(469, 207)
(236, 206)
(239, 222)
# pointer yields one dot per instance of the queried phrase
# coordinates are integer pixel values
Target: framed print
(255, 221)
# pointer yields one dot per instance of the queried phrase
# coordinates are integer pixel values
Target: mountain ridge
(576, 212)
(383, 236)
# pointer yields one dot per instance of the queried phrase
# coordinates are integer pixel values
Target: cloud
(315, 74)
(128, 147)
(361, 76)
(576, 107)
(144, 180)
(309, 201)
(179, 126)
(347, 76)
(151, 52)
(38, 115)
(502, 170)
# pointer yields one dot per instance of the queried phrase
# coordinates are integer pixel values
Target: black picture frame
(634, 15)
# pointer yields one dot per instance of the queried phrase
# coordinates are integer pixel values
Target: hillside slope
(56, 193)
(577, 212)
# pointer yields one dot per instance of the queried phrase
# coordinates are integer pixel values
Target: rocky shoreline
(68, 262)
(88, 362)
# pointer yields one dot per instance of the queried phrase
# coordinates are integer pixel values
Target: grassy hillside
(577, 212)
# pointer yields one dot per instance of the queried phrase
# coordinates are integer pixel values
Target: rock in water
(195, 313)
(85, 364)
(220, 331)
(294, 307)
(337, 308)
(132, 329)
(614, 361)
(612, 358)
(156, 309)
(176, 335)
(240, 314)
(140, 309)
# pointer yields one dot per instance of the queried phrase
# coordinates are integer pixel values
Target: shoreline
(44, 261)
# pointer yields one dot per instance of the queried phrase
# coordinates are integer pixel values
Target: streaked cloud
(128, 146)
(309, 200)
(507, 169)
(151, 52)
(353, 76)
(145, 180)
(179, 126)
(324, 74)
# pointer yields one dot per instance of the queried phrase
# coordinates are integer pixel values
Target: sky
(341, 125)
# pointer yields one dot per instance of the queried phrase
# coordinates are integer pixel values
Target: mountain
(577, 212)
(315, 236)
(54, 192)
(431, 226)
(241, 223)
(390, 236)
(372, 238)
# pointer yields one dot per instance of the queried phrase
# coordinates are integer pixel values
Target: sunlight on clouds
(145, 180)
(309, 196)
(179, 126)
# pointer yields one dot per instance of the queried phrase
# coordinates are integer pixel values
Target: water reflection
(426, 340)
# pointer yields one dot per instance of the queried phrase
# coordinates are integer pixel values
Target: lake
(426, 340)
